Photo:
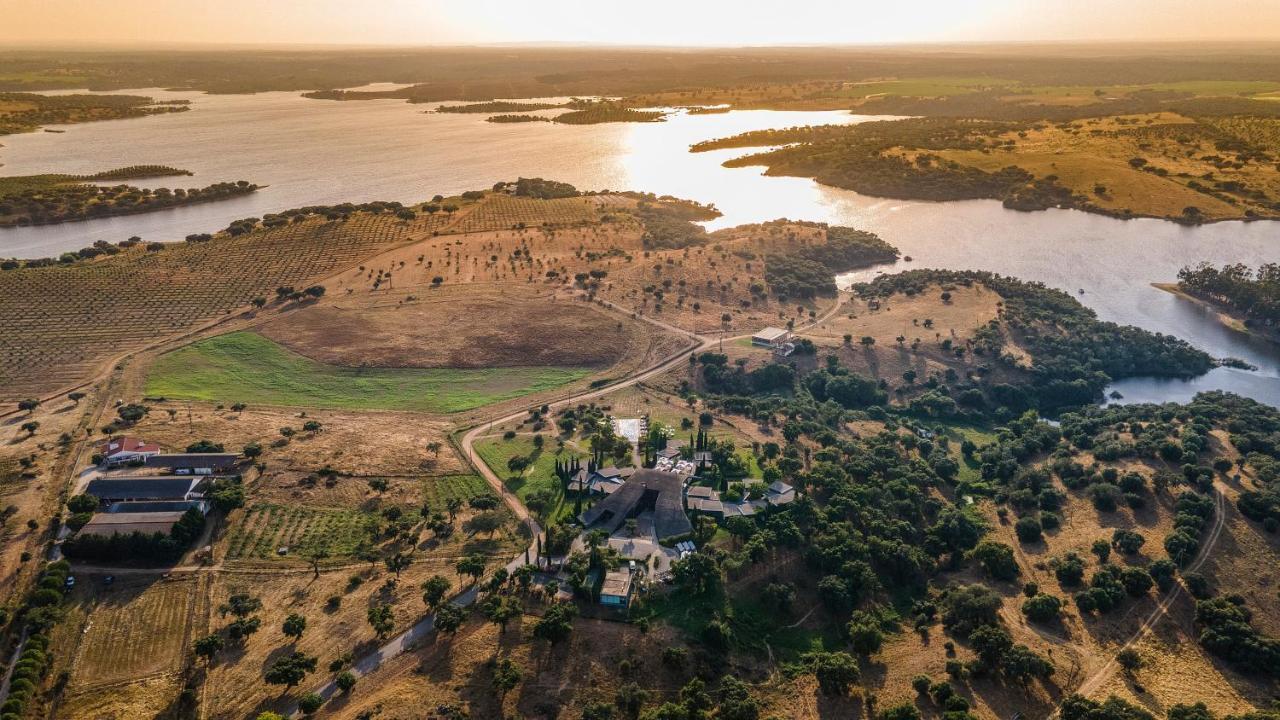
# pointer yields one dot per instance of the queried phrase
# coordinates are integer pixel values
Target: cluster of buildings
(708, 501)
(139, 487)
(655, 504)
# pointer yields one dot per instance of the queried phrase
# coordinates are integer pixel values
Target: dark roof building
(113, 490)
(158, 506)
(661, 493)
(198, 463)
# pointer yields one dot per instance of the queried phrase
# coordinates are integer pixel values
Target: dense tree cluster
(808, 271)
(544, 189)
(80, 201)
(1226, 632)
(667, 227)
(603, 111)
(1255, 294)
(40, 611)
(29, 111)
(1074, 355)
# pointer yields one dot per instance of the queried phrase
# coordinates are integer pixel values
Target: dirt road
(1095, 681)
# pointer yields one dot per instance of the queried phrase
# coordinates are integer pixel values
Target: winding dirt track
(1095, 681)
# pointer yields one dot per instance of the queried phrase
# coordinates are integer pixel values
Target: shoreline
(132, 211)
(1224, 315)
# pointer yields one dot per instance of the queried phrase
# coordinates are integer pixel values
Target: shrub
(1042, 608)
(969, 606)
(310, 703)
(1127, 541)
(997, 559)
(1028, 530)
(836, 672)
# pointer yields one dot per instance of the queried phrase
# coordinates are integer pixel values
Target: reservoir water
(320, 152)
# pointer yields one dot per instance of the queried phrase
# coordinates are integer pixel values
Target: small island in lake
(595, 112)
(500, 106)
(516, 119)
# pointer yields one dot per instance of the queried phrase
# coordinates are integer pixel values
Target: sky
(651, 22)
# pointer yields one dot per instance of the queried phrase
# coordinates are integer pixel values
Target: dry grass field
(923, 321)
(147, 698)
(355, 444)
(459, 327)
(135, 628)
(1094, 155)
(455, 671)
(32, 471)
(234, 686)
(697, 284)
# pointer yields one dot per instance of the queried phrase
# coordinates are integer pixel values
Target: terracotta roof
(125, 523)
(126, 444)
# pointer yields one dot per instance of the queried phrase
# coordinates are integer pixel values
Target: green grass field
(246, 367)
(495, 452)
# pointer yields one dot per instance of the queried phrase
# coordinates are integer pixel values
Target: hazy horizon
(659, 23)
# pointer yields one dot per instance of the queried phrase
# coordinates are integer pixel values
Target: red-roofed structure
(124, 450)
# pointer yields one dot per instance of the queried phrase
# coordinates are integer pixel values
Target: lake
(313, 152)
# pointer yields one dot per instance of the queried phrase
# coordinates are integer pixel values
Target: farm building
(603, 481)
(125, 523)
(708, 501)
(115, 490)
(155, 506)
(617, 589)
(646, 491)
(771, 337)
(780, 493)
(124, 450)
(580, 481)
(193, 463)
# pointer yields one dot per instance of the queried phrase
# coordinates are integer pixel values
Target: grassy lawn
(540, 475)
(246, 367)
(970, 472)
